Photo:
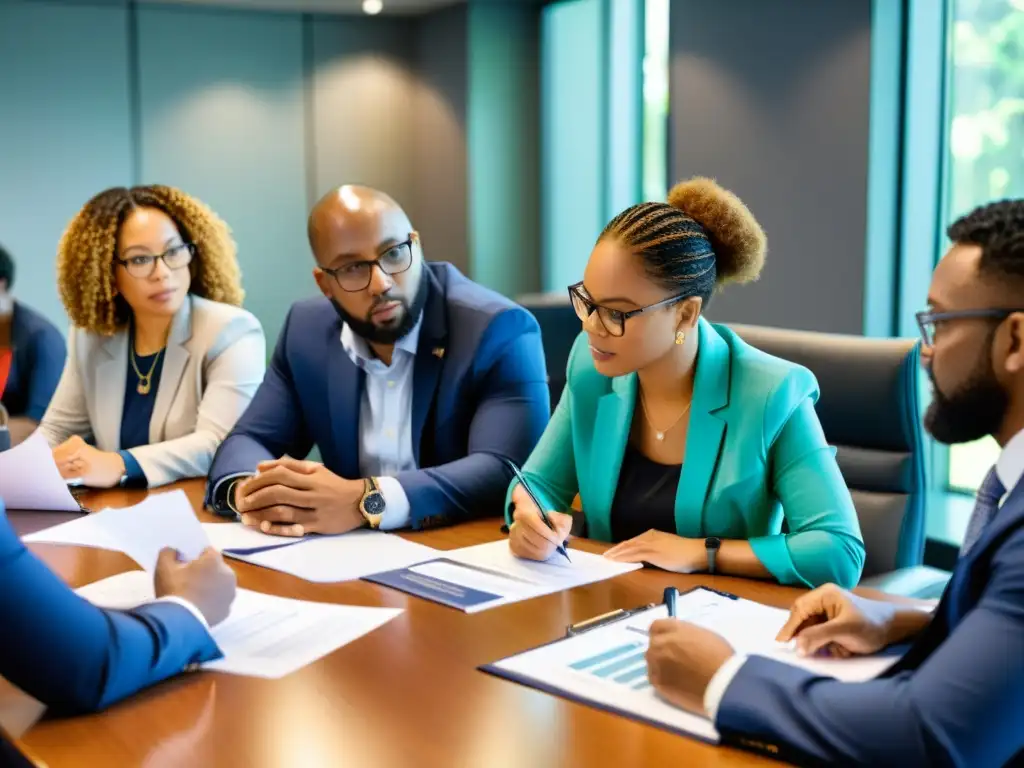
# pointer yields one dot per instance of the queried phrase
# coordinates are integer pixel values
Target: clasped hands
(75, 458)
(292, 497)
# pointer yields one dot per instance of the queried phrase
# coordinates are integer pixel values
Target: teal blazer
(755, 454)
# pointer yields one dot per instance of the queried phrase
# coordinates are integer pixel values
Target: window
(655, 86)
(985, 143)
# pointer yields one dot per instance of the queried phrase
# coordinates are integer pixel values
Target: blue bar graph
(617, 666)
(603, 657)
(641, 685)
(634, 674)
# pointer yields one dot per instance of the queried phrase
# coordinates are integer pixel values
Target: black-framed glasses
(175, 257)
(613, 320)
(927, 322)
(356, 275)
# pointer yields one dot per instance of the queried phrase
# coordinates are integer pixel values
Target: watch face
(373, 503)
(712, 542)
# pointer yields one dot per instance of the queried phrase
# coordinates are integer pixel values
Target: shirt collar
(1010, 466)
(359, 351)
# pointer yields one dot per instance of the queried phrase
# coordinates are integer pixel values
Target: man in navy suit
(75, 657)
(957, 696)
(414, 383)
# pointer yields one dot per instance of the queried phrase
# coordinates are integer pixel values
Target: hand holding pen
(536, 534)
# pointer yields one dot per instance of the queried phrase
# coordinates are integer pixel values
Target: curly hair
(85, 256)
(702, 238)
(999, 229)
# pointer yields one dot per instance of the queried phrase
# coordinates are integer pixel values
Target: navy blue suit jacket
(74, 657)
(480, 394)
(956, 698)
(39, 354)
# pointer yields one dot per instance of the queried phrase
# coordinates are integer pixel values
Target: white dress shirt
(385, 418)
(1009, 469)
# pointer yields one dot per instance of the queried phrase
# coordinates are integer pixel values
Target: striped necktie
(985, 507)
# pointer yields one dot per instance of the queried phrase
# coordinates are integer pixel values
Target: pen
(540, 507)
(671, 593)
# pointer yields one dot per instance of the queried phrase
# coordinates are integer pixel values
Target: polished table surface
(407, 694)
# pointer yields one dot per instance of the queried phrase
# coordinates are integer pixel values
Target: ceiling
(404, 7)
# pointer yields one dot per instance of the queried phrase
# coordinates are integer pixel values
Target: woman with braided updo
(687, 446)
(161, 358)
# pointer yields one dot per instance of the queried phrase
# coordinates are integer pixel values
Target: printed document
(605, 666)
(488, 575)
(263, 635)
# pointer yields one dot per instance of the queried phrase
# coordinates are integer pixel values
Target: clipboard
(685, 723)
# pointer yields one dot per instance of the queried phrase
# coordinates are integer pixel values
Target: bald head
(355, 221)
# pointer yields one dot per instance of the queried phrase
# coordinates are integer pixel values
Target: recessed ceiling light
(372, 7)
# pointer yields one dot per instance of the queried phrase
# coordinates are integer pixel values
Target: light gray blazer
(215, 360)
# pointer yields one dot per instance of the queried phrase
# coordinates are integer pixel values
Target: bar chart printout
(623, 665)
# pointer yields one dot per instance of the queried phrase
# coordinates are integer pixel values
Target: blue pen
(671, 593)
(533, 496)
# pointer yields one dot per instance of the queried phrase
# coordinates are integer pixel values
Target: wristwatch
(711, 545)
(372, 505)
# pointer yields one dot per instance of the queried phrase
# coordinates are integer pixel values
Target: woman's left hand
(97, 469)
(664, 550)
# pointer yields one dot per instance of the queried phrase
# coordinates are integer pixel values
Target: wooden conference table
(407, 694)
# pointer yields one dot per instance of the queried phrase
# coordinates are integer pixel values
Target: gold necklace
(659, 434)
(145, 379)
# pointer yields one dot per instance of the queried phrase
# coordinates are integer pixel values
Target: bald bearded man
(414, 383)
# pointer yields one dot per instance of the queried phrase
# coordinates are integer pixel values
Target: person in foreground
(414, 382)
(37, 356)
(677, 435)
(956, 696)
(75, 657)
(162, 359)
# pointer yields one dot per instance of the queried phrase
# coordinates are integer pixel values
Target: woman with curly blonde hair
(161, 358)
(687, 446)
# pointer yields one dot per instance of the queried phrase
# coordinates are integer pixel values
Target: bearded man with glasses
(414, 383)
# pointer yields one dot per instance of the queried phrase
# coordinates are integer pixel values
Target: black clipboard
(583, 627)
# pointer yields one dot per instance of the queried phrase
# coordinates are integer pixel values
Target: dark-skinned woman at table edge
(671, 429)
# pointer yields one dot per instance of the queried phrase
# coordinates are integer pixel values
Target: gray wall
(256, 113)
(772, 99)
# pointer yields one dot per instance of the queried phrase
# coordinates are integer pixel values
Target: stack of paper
(488, 575)
(335, 558)
(263, 635)
(140, 531)
(30, 480)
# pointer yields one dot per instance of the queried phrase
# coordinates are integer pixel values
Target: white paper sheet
(493, 568)
(263, 635)
(606, 667)
(140, 531)
(30, 480)
(224, 536)
(341, 558)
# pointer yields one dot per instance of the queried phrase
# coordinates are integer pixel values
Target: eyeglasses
(613, 320)
(929, 321)
(175, 257)
(356, 275)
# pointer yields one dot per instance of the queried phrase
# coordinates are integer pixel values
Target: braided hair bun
(738, 240)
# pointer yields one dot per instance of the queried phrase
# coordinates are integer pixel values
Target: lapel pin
(439, 352)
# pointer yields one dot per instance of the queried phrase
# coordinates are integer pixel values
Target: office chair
(559, 328)
(870, 412)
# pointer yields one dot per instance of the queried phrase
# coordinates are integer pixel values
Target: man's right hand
(845, 624)
(529, 537)
(206, 582)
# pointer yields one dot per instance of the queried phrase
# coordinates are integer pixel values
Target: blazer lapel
(430, 356)
(111, 376)
(706, 431)
(176, 355)
(611, 433)
(344, 397)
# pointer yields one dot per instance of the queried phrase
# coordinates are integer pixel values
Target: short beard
(367, 330)
(975, 410)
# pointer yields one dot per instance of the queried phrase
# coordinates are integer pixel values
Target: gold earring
(680, 337)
